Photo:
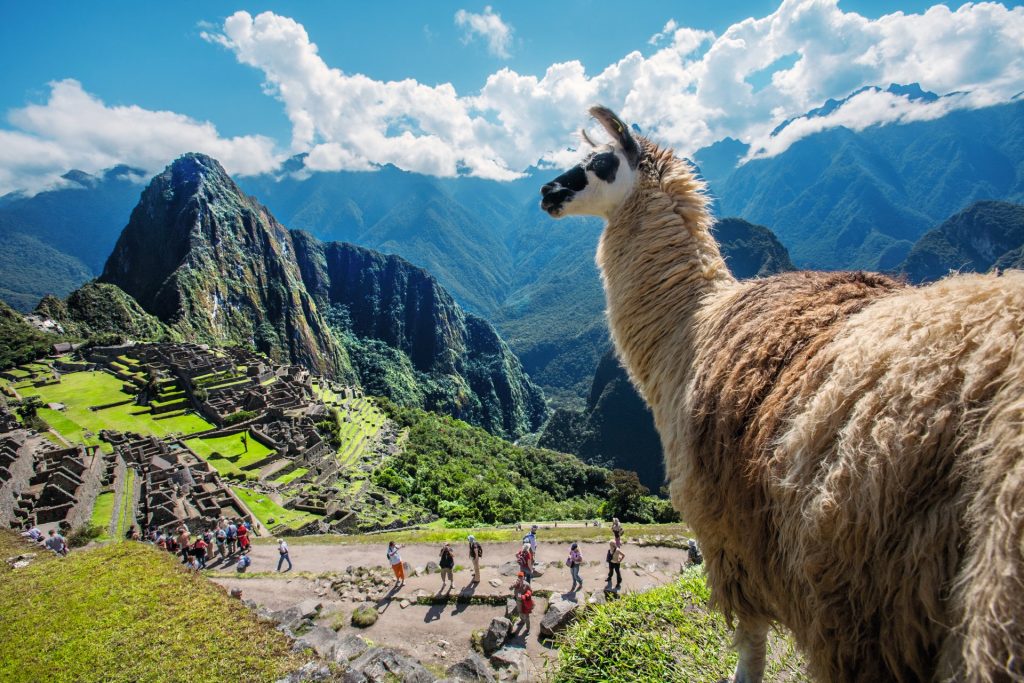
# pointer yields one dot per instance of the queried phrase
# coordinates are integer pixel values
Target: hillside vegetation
(126, 612)
(667, 634)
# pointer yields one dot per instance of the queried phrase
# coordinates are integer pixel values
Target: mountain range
(836, 199)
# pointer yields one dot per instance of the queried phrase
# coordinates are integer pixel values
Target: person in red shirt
(243, 538)
(199, 552)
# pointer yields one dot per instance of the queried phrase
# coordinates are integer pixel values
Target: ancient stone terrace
(178, 486)
(47, 484)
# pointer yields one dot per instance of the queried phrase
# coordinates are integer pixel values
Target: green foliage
(19, 341)
(83, 534)
(468, 476)
(668, 634)
(106, 615)
(103, 312)
(240, 416)
(626, 499)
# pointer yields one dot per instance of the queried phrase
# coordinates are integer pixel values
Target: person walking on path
(184, 541)
(617, 531)
(476, 551)
(447, 565)
(614, 559)
(693, 553)
(525, 559)
(574, 561)
(243, 539)
(396, 563)
(282, 549)
(518, 588)
(531, 539)
(222, 540)
(232, 538)
(199, 553)
(525, 609)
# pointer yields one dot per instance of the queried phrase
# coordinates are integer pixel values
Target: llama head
(599, 184)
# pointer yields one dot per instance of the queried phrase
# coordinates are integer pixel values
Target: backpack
(527, 601)
(479, 550)
(521, 558)
(221, 535)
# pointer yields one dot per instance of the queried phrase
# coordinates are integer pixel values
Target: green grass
(294, 474)
(232, 455)
(80, 390)
(105, 615)
(102, 512)
(666, 634)
(264, 508)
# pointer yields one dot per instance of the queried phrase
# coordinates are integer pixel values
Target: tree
(626, 500)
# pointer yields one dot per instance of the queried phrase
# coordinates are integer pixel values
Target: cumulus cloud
(74, 129)
(692, 89)
(688, 88)
(488, 26)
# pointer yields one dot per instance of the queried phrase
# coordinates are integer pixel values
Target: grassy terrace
(80, 390)
(666, 634)
(294, 474)
(265, 509)
(104, 615)
(102, 512)
(227, 455)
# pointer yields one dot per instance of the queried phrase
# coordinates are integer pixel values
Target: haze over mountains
(836, 199)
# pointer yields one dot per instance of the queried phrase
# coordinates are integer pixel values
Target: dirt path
(439, 634)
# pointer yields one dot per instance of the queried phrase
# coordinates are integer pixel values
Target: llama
(848, 449)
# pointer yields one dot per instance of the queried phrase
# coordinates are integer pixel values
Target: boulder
(511, 663)
(495, 583)
(472, 668)
(349, 647)
(539, 568)
(321, 639)
(509, 569)
(510, 607)
(560, 614)
(432, 567)
(382, 664)
(309, 608)
(365, 615)
(311, 672)
(495, 635)
(287, 617)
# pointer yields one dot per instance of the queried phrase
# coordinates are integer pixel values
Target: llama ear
(620, 131)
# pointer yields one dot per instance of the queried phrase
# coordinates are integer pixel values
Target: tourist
(57, 543)
(34, 534)
(447, 565)
(525, 609)
(184, 541)
(243, 539)
(518, 588)
(208, 537)
(525, 559)
(244, 561)
(161, 541)
(476, 551)
(396, 563)
(693, 552)
(614, 559)
(232, 532)
(199, 552)
(222, 541)
(617, 531)
(531, 539)
(282, 549)
(574, 561)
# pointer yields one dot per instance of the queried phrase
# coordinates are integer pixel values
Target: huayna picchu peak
(216, 267)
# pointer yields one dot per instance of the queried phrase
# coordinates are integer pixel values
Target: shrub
(83, 534)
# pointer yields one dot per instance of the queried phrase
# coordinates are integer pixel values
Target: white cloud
(74, 129)
(488, 26)
(669, 27)
(690, 89)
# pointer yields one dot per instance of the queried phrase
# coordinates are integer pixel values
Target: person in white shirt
(282, 548)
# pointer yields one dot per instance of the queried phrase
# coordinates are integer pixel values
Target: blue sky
(137, 81)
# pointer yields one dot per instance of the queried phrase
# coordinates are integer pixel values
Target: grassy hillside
(126, 612)
(667, 634)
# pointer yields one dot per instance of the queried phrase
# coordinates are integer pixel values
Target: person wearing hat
(476, 551)
(447, 565)
(518, 588)
(531, 539)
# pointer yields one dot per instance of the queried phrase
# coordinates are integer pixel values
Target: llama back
(856, 445)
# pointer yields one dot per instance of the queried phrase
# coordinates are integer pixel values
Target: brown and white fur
(848, 449)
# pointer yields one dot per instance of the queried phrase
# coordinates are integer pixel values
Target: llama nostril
(546, 189)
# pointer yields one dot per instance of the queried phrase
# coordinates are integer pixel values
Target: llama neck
(659, 264)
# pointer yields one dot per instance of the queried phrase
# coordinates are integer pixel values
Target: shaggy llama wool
(848, 449)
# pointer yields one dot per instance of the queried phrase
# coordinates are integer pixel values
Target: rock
(539, 568)
(364, 616)
(407, 567)
(638, 572)
(495, 635)
(21, 561)
(287, 617)
(472, 668)
(349, 647)
(651, 568)
(321, 639)
(511, 663)
(309, 608)
(509, 569)
(560, 614)
(382, 664)
(418, 571)
(432, 567)
(596, 598)
(403, 603)
(510, 607)
(236, 593)
(495, 583)
(310, 672)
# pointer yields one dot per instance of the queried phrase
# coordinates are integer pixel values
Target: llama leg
(751, 643)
